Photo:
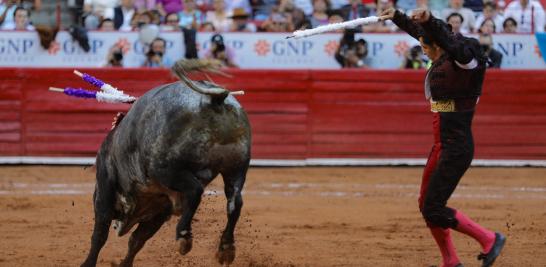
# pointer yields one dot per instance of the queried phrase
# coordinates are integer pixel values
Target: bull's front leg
(190, 190)
(233, 185)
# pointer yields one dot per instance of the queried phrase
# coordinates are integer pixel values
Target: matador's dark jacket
(454, 75)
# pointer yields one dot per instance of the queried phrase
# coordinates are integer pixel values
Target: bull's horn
(219, 72)
(199, 89)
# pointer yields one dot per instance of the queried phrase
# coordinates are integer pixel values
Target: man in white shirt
(529, 15)
(7, 9)
(468, 15)
(490, 12)
(122, 15)
(22, 21)
(98, 7)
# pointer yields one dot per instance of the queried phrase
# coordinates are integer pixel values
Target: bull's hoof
(226, 254)
(184, 245)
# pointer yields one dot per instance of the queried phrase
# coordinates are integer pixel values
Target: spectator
(305, 5)
(414, 59)
(338, 4)
(107, 25)
(141, 19)
(156, 16)
(7, 11)
(240, 22)
(278, 22)
(172, 23)
(207, 27)
(490, 12)
(156, 55)
(487, 27)
(98, 7)
(406, 5)
(424, 4)
(335, 17)
(30, 4)
(233, 4)
(474, 5)
(144, 5)
(319, 16)
(122, 15)
(191, 17)
(509, 26)
(219, 51)
(438, 5)
(299, 20)
(528, 14)
(351, 54)
(354, 10)
(494, 57)
(287, 6)
(219, 17)
(168, 6)
(468, 15)
(455, 20)
(22, 21)
(263, 9)
(115, 57)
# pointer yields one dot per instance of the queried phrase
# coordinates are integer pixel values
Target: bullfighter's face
(432, 51)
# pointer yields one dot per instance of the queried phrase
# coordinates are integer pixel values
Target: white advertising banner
(249, 50)
(23, 49)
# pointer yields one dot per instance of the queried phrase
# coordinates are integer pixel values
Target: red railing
(294, 114)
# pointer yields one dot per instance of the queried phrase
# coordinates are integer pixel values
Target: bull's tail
(185, 66)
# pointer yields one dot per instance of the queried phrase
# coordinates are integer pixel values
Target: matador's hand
(387, 14)
(420, 15)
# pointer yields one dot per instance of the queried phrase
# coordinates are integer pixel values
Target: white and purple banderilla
(108, 93)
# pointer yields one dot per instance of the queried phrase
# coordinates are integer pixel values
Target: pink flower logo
(124, 44)
(54, 48)
(262, 47)
(400, 48)
(331, 47)
(537, 51)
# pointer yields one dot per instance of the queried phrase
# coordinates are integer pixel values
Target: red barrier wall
(294, 114)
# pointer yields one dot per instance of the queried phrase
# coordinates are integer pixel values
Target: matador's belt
(453, 105)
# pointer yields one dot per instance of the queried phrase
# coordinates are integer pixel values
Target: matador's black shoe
(495, 251)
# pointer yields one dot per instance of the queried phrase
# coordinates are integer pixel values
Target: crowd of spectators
(484, 17)
(521, 16)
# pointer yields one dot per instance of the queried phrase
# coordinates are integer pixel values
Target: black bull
(173, 142)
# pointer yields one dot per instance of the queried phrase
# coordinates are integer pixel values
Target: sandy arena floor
(291, 217)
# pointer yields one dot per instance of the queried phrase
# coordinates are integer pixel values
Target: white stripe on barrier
(291, 163)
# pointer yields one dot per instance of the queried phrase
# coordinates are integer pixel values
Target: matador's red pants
(449, 159)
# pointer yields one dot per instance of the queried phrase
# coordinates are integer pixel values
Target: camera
(117, 55)
(415, 52)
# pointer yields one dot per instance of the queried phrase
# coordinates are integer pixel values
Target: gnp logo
(15, 46)
(262, 48)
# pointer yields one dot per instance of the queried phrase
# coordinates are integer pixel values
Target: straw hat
(239, 13)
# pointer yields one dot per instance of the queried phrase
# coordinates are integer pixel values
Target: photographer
(351, 54)
(494, 57)
(156, 55)
(414, 59)
(115, 57)
(219, 51)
